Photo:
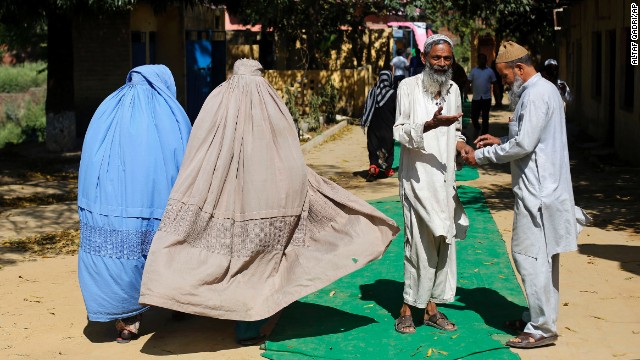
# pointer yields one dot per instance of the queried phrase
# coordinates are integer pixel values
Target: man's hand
(439, 120)
(486, 140)
(470, 157)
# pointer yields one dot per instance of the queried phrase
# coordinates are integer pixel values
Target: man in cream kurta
(544, 223)
(428, 123)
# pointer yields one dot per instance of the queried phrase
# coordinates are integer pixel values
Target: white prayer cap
(550, 62)
(436, 37)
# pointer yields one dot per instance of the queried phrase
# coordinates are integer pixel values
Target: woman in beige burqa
(248, 228)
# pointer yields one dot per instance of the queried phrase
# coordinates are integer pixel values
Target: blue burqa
(130, 159)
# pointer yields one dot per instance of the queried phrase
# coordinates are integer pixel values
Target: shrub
(26, 125)
(22, 77)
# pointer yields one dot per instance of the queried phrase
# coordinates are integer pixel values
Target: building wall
(101, 58)
(170, 48)
(352, 86)
(593, 52)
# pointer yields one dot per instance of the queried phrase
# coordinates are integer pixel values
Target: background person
(378, 119)
(480, 79)
(399, 67)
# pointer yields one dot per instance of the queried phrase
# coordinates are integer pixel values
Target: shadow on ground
(492, 306)
(307, 320)
(628, 256)
(192, 334)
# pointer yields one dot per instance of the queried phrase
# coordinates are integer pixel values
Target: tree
(316, 25)
(529, 22)
(20, 18)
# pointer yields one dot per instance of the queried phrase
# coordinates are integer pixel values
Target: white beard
(432, 82)
(515, 92)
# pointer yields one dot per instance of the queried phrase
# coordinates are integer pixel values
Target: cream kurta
(544, 212)
(427, 160)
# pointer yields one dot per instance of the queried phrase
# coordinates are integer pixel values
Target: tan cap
(510, 51)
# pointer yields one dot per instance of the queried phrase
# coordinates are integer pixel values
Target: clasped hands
(466, 151)
(469, 154)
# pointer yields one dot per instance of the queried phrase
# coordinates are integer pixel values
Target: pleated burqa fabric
(249, 228)
(131, 155)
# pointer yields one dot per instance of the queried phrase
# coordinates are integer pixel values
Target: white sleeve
(406, 133)
(534, 119)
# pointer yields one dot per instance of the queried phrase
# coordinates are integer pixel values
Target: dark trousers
(396, 81)
(380, 146)
(477, 107)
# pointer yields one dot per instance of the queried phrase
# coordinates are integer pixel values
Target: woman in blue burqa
(131, 155)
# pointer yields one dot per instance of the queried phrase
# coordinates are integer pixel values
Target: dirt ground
(42, 315)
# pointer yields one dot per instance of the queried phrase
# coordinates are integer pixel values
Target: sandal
(516, 325)
(529, 341)
(127, 329)
(405, 325)
(440, 321)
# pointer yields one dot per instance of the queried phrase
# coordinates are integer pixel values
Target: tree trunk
(61, 123)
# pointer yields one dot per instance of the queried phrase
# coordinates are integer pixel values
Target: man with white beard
(544, 221)
(428, 124)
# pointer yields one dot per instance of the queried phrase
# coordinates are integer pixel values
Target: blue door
(206, 68)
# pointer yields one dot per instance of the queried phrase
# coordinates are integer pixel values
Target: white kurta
(544, 212)
(427, 160)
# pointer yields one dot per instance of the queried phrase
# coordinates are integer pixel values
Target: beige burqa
(249, 228)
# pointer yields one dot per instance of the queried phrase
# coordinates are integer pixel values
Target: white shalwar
(544, 221)
(434, 217)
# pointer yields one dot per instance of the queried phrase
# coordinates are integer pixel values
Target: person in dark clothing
(379, 117)
(459, 77)
(498, 87)
(415, 64)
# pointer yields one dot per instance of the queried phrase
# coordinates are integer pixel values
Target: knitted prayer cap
(436, 37)
(510, 51)
(550, 62)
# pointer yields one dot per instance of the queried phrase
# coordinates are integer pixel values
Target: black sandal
(440, 322)
(530, 341)
(405, 322)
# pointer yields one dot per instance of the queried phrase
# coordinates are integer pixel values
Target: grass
(22, 77)
(64, 242)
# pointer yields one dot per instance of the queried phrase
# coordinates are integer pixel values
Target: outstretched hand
(486, 140)
(439, 120)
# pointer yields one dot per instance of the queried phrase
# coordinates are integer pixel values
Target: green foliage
(22, 77)
(329, 96)
(26, 125)
(315, 101)
(528, 22)
(290, 95)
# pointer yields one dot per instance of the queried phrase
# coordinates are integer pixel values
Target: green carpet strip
(353, 318)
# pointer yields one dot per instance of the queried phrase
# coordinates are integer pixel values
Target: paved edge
(322, 137)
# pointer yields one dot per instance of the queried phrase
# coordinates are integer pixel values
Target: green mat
(467, 173)
(354, 316)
